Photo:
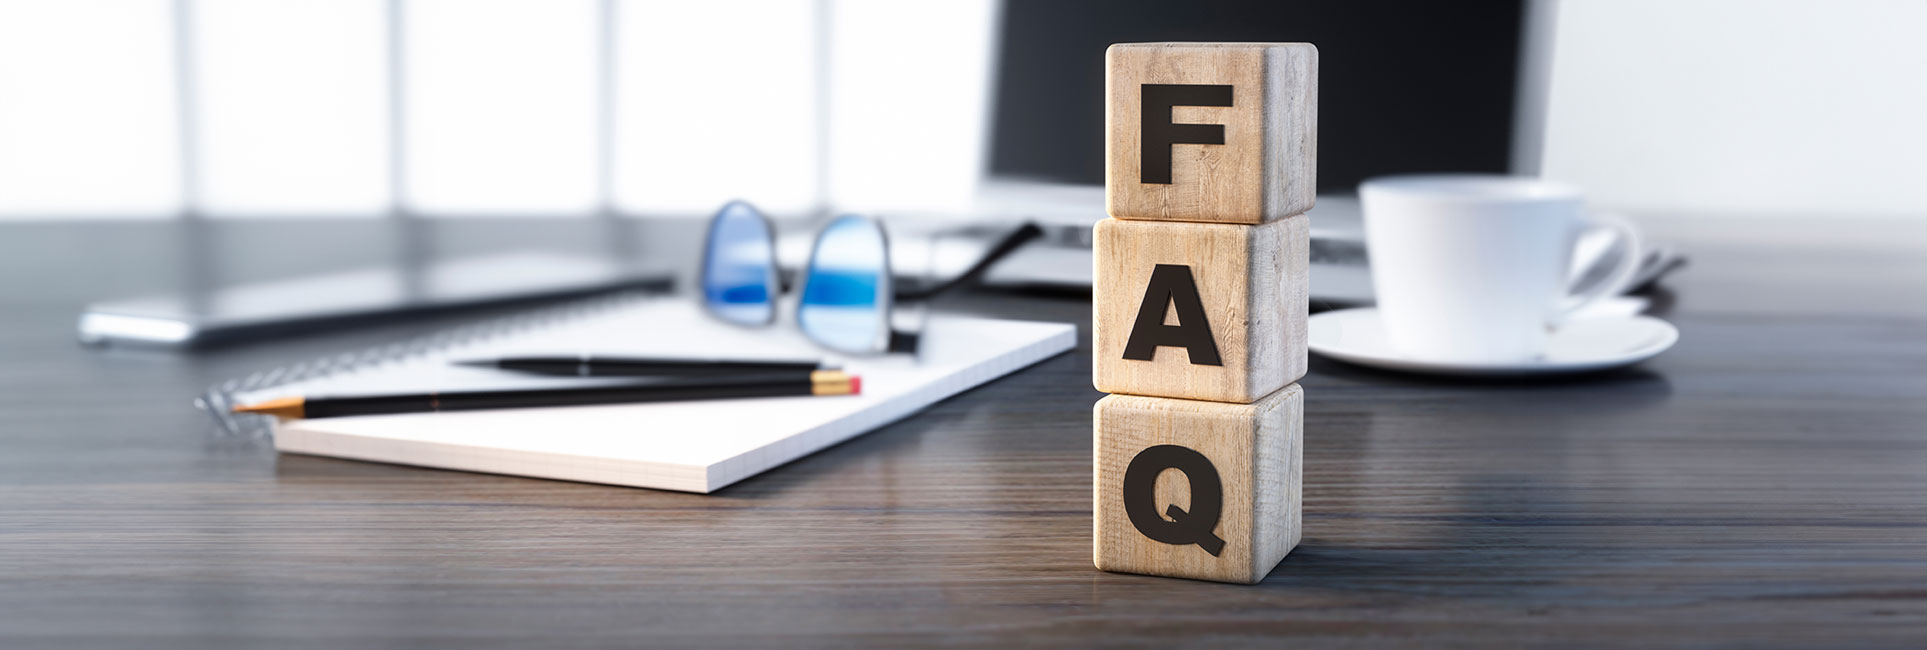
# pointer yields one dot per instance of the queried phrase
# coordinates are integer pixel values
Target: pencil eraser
(856, 385)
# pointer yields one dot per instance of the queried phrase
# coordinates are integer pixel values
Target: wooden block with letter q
(1212, 132)
(1203, 490)
(1199, 310)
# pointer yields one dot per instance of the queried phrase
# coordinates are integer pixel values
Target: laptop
(1442, 90)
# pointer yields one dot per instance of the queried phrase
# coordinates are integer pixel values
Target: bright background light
(1745, 108)
(88, 123)
(670, 107)
(501, 106)
(293, 106)
(717, 100)
(909, 103)
(506, 107)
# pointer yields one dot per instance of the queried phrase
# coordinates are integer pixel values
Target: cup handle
(1624, 270)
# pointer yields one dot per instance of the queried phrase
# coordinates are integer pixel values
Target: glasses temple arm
(1010, 243)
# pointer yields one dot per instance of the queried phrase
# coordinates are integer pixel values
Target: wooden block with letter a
(1203, 490)
(1213, 132)
(1199, 310)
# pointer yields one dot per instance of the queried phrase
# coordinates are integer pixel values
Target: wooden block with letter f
(1212, 132)
(1191, 489)
(1197, 310)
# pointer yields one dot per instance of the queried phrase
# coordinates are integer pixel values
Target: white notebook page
(695, 446)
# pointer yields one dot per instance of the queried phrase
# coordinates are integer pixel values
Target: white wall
(697, 125)
(909, 103)
(88, 124)
(1736, 107)
(505, 106)
(1742, 107)
(291, 107)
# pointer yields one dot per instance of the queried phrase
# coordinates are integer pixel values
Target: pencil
(821, 382)
(591, 366)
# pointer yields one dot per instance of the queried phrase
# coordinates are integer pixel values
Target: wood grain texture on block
(1159, 285)
(1211, 132)
(1158, 511)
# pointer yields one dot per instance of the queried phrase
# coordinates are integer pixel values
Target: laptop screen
(1403, 86)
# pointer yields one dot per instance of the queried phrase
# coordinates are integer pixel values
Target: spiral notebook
(698, 446)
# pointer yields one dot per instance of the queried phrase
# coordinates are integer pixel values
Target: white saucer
(1582, 345)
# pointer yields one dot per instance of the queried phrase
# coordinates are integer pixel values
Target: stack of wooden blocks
(1200, 296)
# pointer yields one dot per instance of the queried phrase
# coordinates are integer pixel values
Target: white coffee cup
(1474, 268)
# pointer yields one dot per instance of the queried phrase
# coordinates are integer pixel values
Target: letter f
(1157, 133)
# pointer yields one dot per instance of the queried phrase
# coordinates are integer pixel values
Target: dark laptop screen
(1403, 86)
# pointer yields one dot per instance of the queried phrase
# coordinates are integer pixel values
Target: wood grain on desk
(1764, 483)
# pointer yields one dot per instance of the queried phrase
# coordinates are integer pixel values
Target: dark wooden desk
(1764, 483)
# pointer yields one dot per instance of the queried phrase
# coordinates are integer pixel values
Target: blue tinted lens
(847, 287)
(739, 274)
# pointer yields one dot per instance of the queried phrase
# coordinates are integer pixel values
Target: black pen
(592, 366)
(821, 382)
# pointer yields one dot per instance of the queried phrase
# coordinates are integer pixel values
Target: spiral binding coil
(219, 399)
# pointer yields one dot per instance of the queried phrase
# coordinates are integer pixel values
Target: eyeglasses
(849, 300)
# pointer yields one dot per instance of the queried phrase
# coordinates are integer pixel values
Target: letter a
(1171, 285)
